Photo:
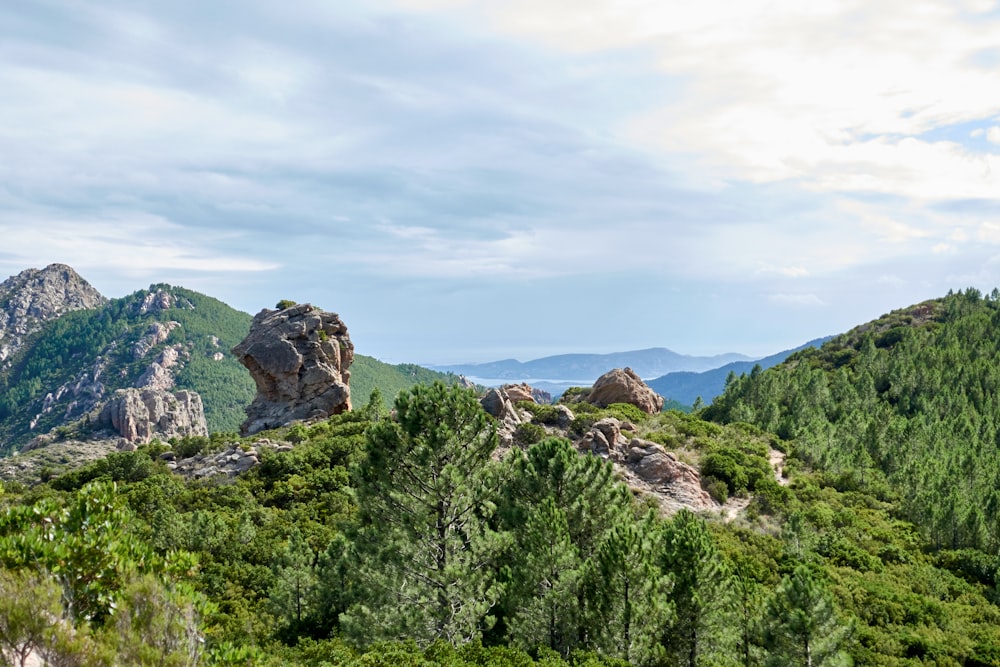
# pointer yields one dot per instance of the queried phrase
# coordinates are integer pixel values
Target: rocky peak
(34, 296)
(299, 357)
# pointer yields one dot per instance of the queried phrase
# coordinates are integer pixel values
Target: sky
(470, 180)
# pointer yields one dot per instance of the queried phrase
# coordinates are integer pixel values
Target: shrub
(716, 488)
(528, 434)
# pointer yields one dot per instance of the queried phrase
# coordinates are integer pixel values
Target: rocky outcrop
(624, 386)
(159, 300)
(498, 404)
(139, 415)
(33, 297)
(300, 359)
(646, 466)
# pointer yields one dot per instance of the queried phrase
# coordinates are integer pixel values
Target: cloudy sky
(466, 180)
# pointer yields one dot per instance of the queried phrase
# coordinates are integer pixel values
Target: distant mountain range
(685, 386)
(583, 369)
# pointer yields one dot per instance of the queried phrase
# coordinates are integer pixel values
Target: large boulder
(622, 385)
(300, 359)
(139, 415)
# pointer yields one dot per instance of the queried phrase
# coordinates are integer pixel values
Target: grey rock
(33, 297)
(139, 415)
(299, 358)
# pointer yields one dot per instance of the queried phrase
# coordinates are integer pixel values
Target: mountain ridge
(686, 387)
(587, 367)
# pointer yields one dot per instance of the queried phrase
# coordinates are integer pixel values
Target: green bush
(528, 434)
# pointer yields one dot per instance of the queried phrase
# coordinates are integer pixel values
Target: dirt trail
(777, 460)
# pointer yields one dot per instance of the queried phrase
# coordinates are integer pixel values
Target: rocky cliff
(33, 297)
(139, 415)
(299, 358)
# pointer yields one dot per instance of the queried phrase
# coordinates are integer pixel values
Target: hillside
(327, 548)
(163, 336)
(685, 387)
(585, 368)
(907, 403)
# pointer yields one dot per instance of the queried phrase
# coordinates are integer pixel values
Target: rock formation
(33, 297)
(624, 386)
(497, 403)
(520, 392)
(646, 466)
(139, 415)
(299, 357)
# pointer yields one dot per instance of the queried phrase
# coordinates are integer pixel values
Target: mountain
(686, 386)
(66, 350)
(163, 338)
(35, 296)
(585, 368)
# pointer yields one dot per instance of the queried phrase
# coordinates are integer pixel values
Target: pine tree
(801, 626)
(425, 549)
(294, 593)
(632, 594)
(701, 632)
(583, 489)
(545, 582)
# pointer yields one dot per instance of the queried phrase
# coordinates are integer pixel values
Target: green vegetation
(74, 345)
(368, 373)
(379, 541)
(906, 406)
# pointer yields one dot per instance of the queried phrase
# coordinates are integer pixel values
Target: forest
(403, 538)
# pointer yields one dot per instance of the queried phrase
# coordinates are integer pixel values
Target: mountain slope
(585, 368)
(686, 386)
(163, 337)
(907, 403)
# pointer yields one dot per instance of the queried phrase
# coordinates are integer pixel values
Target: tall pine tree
(425, 551)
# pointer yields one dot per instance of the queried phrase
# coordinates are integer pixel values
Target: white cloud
(787, 271)
(993, 135)
(135, 244)
(796, 299)
(835, 95)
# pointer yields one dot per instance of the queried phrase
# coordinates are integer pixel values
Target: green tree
(293, 595)
(701, 632)
(553, 480)
(632, 592)
(425, 493)
(159, 626)
(545, 581)
(801, 626)
(29, 612)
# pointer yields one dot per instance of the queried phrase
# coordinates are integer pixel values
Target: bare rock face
(139, 415)
(33, 297)
(647, 467)
(300, 359)
(497, 403)
(624, 386)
